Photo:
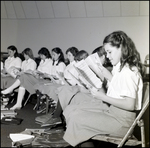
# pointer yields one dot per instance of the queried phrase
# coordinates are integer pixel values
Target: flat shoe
(52, 121)
(7, 95)
(43, 118)
(16, 108)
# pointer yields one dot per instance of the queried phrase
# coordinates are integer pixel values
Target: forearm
(106, 73)
(65, 81)
(125, 103)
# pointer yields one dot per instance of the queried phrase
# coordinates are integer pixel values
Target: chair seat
(132, 141)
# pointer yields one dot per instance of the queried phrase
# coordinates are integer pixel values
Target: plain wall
(83, 33)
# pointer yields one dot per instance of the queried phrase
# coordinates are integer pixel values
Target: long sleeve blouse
(68, 76)
(58, 68)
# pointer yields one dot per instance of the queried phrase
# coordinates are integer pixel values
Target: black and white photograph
(74, 74)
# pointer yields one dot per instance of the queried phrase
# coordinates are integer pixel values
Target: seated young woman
(113, 112)
(67, 93)
(65, 77)
(12, 62)
(71, 82)
(70, 91)
(27, 64)
(27, 80)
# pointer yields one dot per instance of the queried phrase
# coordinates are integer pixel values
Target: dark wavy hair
(13, 48)
(130, 54)
(82, 54)
(100, 51)
(45, 52)
(61, 57)
(72, 50)
(28, 52)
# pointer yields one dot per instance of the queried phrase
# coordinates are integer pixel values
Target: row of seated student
(87, 112)
(47, 66)
(50, 69)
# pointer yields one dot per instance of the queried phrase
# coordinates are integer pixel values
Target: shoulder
(23, 62)
(127, 69)
(31, 60)
(131, 73)
(18, 59)
(49, 60)
(62, 64)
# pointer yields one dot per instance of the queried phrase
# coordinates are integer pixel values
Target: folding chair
(27, 99)
(129, 139)
(49, 102)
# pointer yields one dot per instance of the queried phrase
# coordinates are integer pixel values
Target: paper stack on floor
(8, 113)
(24, 139)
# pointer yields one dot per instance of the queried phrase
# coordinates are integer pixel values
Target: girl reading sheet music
(27, 80)
(27, 64)
(12, 62)
(66, 93)
(53, 91)
(66, 79)
(113, 112)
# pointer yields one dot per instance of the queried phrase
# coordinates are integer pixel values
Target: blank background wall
(84, 33)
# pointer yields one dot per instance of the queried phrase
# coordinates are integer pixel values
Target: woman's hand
(54, 77)
(83, 89)
(29, 71)
(97, 93)
(19, 73)
(45, 75)
(34, 73)
(4, 75)
(4, 71)
(106, 73)
(61, 74)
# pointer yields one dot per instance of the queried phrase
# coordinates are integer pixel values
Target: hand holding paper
(106, 73)
(97, 93)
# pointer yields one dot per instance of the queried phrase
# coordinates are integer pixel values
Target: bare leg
(11, 88)
(20, 97)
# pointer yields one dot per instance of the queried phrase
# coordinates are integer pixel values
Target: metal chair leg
(27, 100)
(47, 104)
(141, 125)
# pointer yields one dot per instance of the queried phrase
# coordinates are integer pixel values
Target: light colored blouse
(58, 68)
(2, 65)
(68, 76)
(12, 61)
(45, 66)
(28, 64)
(126, 83)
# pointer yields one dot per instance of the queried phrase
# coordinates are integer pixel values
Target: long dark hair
(82, 54)
(13, 48)
(61, 57)
(130, 54)
(45, 52)
(100, 51)
(72, 50)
